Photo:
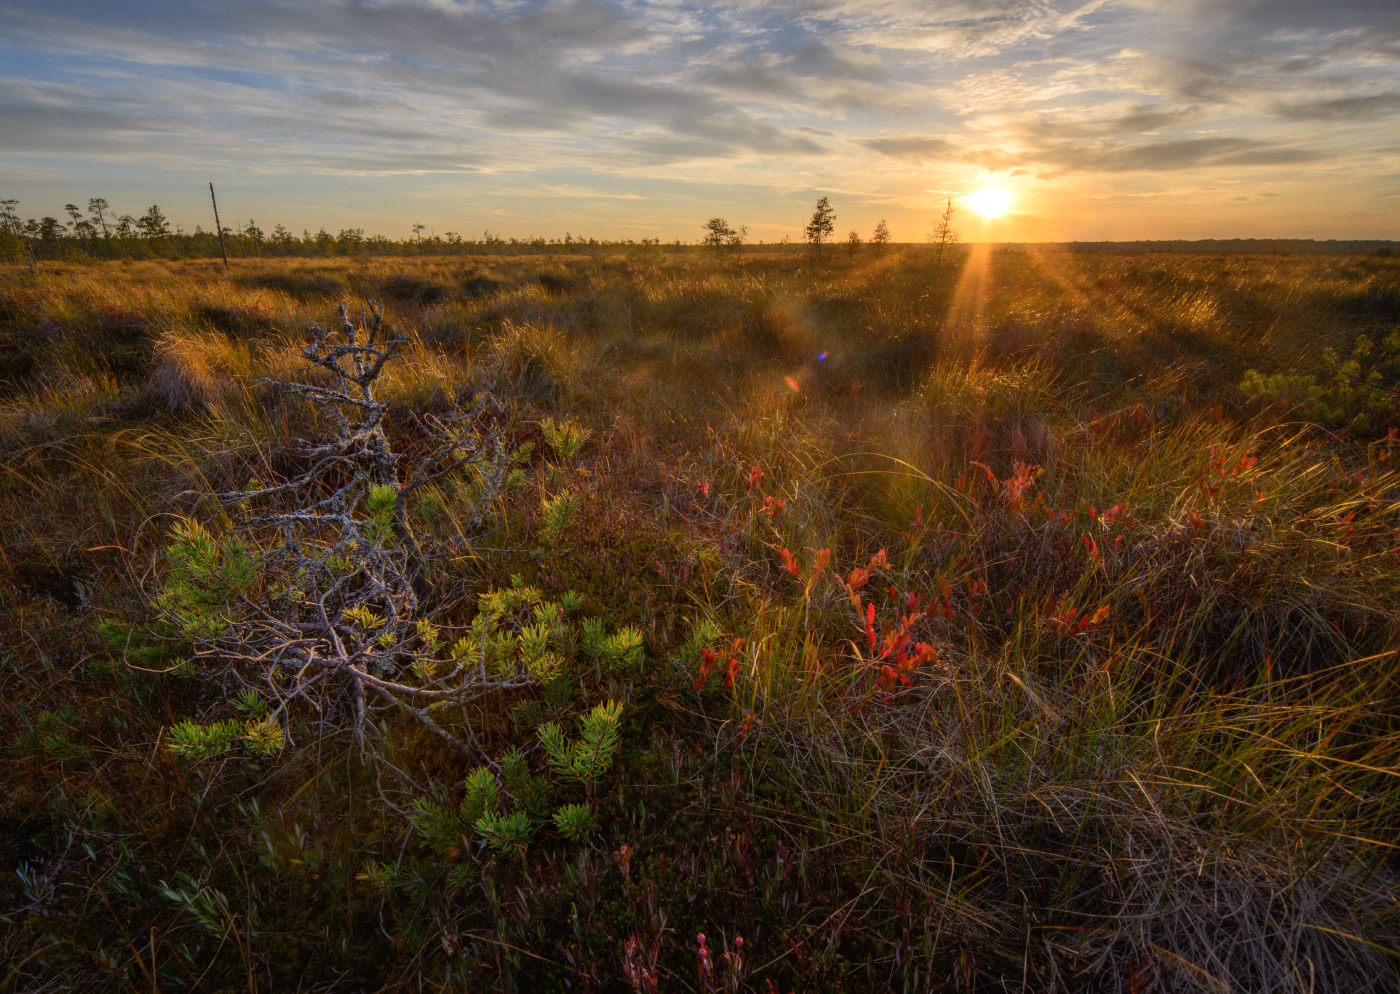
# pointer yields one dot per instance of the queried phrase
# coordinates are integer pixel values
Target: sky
(1105, 119)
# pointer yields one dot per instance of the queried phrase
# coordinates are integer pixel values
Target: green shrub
(1360, 393)
(576, 822)
(206, 574)
(506, 834)
(195, 741)
(590, 756)
(566, 437)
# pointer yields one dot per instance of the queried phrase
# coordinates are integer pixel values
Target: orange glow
(991, 202)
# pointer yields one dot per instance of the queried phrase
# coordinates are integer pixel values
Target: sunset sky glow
(1106, 119)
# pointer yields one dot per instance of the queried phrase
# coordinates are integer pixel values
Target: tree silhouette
(153, 223)
(881, 237)
(944, 235)
(51, 229)
(80, 225)
(718, 232)
(99, 209)
(823, 223)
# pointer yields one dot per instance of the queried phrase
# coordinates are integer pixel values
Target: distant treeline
(1253, 246)
(101, 233)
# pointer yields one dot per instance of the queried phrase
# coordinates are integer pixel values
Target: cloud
(817, 75)
(408, 72)
(1162, 156)
(1102, 121)
(826, 60)
(771, 93)
(1101, 156)
(1357, 108)
(918, 148)
(962, 28)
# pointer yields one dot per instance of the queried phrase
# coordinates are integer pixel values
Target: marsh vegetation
(855, 623)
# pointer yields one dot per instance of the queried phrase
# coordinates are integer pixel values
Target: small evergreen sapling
(507, 834)
(881, 237)
(319, 589)
(566, 437)
(822, 224)
(589, 757)
(575, 822)
(556, 514)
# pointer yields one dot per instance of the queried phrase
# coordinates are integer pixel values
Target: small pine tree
(153, 223)
(100, 209)
(320, 580)
(881, 238)
(575, 822)
(507, 834)
(590, 756)
(822, 225)
(944, 235)
(717, 232)
(565, 437)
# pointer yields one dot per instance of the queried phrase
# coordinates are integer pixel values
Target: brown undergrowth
(878, 637)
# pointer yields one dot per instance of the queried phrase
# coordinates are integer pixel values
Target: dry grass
(1153, 745)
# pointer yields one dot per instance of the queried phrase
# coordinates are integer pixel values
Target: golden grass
(1199, 785)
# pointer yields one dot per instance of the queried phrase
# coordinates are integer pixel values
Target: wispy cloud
(788, 94)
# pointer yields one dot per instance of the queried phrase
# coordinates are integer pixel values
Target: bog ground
(701, 622)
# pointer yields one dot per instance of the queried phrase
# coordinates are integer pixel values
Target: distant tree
(99, 209)
(881, 238)
(51, 229)
(11, 247)
(153, 223)
(717, 232)
(126, 226)
(823, 223)
(80, 226)
(944, 235)
(853, 243)
(350, 240)
(255, 233)
(418, 231)
(85, 230)
(9, 217)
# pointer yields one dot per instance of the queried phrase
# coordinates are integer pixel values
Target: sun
(990, 202)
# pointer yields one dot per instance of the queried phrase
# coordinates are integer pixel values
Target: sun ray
(969, 302)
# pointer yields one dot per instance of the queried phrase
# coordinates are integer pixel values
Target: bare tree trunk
(217, 226)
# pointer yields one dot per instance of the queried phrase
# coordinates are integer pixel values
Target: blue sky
(637, 118)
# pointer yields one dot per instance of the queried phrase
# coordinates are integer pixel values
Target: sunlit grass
(1154, 734)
